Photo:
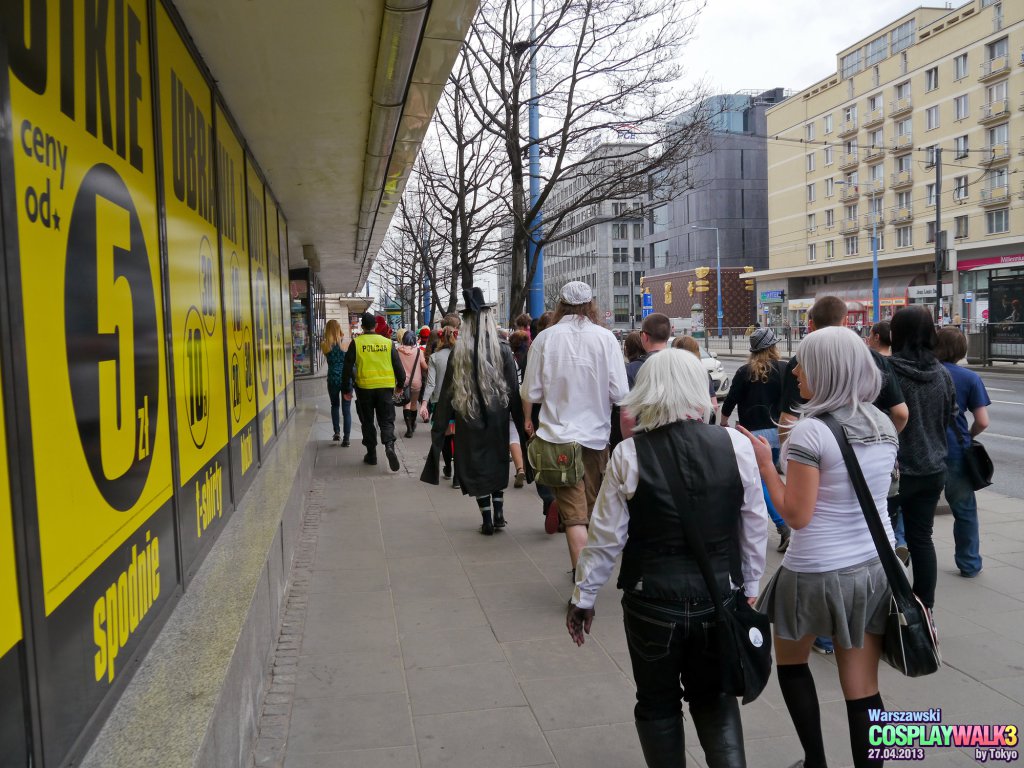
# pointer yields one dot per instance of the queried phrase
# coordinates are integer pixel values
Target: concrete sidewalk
(411, 641)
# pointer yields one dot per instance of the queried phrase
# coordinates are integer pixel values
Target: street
(1004, 439)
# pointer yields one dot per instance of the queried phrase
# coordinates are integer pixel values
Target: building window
(850, 212)
(620, 231)
(622, 308)
(876, 172)
(877, 50)
(830, 217)
(931, 79)
(850, 114)
(828, 124)
(960, 147)
(929, 232)
(998, 135)
(830, 249)
(960, 188)
(929, 156)
(809, 131)
(828, 155)
(876, 76)
(903, 199)
(904, 163)
(810, 162)
(812, 252)
(620, 255)
(998, 48)
(997, 222)
(929, 194)
(875, 102)
(997, 93)
(830, 187)
(851, 245)
(902, 37)
(811, 222)
(931, 118)
(903, 90)
(904, 237)
(905, 127)
(877, 138)
(851, 64)
(638, 255)
(810, 193)
(961, 110)
(960, 227)
(960, 67)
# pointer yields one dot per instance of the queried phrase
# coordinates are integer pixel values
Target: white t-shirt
(575, 370)
(838, 535)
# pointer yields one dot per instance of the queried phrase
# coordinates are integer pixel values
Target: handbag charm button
(756, 638)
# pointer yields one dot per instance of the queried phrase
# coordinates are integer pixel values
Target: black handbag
(978, 467)
(911, 645)
(403, 398)
(745, 633)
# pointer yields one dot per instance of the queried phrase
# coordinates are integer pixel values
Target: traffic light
(748, 282)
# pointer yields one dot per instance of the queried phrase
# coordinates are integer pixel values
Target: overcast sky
(760, 44)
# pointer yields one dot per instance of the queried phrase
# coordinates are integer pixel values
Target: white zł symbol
(756, 638)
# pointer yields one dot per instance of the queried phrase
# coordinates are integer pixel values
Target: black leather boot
(409, 426)
(499, 512)
(371, 456)
(720, 731)
(662, 742)
(389, 451)
(487, 527)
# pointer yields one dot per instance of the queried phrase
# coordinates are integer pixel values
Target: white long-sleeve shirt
(576, 372)
(609, 525)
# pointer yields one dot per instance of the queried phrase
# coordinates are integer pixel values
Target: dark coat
(481, 444)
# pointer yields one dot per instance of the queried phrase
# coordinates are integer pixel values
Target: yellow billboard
(10, 610)
(286, 302)
(89, 258)
(260, 303)
(276, 321)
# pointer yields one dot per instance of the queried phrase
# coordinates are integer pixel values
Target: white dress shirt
(609, 525)
(576, 372)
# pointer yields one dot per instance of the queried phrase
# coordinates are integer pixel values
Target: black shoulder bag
(911, 645)
(744, 633)
(978, 467)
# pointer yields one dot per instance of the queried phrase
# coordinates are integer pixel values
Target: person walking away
(756, 392)
(668, 613)
(831, 581)
(480, 393)
(654, 333)
(689, 344)
(879, 339)
(415, 365)
(519, 343)
(931, 396)
(378, 375)
(576, 372)
(436, 367)
(546, 494)
(971, 397)
(632, 347)
(334, 347)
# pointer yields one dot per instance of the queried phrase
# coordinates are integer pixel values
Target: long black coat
(481, 444)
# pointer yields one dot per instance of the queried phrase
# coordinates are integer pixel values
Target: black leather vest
(656, 561)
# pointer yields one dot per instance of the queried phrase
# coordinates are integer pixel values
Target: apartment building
(920, 129)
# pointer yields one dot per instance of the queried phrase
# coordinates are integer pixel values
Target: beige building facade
(853, 162)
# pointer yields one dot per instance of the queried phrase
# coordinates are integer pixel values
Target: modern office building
(720, 219)
(856, 157)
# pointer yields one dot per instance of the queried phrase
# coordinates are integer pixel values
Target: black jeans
(370, 402)
(918, 497)
(674, 653)
(340, 407)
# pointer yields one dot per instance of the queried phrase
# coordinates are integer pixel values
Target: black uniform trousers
(370, 402)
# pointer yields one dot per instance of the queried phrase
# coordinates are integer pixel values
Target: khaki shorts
(576, 502)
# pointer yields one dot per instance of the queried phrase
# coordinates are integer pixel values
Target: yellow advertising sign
(85, 184)
(237, 301)
(286, 302)
(260, 302)
(274, 296)
(193, 267)
(10, 611)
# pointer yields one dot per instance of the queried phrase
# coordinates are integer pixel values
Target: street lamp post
(718, 273)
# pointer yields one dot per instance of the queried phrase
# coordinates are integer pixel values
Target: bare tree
(605, 69)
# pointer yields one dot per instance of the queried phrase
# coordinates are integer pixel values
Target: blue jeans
(966, 538)
(772, 436)
(338, 402)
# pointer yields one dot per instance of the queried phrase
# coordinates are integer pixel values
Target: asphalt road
(1004, 439)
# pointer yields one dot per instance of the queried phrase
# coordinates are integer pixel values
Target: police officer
(378, 374)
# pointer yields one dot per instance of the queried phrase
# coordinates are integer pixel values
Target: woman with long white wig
(668, 611)
(831, 582)
(480, 394)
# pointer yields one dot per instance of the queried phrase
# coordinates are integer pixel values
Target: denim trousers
(345, 406)
(772, 436)
(674, 653)
(966, 538)
(917, 499)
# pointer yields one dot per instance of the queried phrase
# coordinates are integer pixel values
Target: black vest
(656, 561)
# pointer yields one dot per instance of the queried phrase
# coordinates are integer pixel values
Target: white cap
(575, 293)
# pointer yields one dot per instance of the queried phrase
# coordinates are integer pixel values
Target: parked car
(718, 375)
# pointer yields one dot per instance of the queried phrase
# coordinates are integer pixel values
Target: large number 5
(114, 316)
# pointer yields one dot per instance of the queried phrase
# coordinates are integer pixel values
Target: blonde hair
(489, 368)
(671, 386)
(332, 336)
(762, 362)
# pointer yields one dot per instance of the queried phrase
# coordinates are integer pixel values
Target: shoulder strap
(893, 569)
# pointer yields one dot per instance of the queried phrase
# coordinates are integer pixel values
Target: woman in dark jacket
(480, 392)
(931, 399)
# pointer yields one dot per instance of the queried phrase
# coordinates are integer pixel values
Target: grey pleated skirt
(842, 604)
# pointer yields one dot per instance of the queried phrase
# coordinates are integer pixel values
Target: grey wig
(493, 387)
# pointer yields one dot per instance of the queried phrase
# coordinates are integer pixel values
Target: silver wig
(492, 385)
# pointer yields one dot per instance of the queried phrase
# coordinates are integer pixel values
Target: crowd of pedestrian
(631, 463)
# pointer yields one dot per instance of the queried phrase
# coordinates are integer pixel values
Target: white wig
(839, 371)
(671, 386)
(493, 386)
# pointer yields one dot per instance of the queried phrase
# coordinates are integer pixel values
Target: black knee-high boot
(662, 742)
(499, 509)
(857, 716)
(484, 503)
(409, 425)
(797, 686)
(720, 731)
(446, 455)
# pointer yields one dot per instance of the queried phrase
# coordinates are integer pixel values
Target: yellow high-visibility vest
(373, 362)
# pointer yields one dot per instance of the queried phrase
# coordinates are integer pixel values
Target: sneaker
(337, 436)
(389, 451)
(520, 478)
(785, 532)
(345, 443)
(967, 575)
(823, 645)
(903, 554)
